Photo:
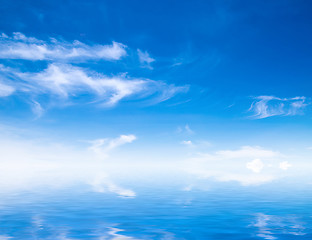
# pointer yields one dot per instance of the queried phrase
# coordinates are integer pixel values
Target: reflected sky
(158, 213)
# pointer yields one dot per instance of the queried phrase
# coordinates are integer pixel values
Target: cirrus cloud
(268, 106)
(145, 59)
(64, 83)
(60, 82)
(103, 145)
(6, 90)
(20, 46)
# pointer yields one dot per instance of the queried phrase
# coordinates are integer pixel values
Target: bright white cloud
(104, 166)
(235, 165)
(104, 145)
(247, 152)
(21, 47)
(62, 83)
(187, 142)
(145, 59)
(120, 141)
(255, 165)
(65, 82)
(35, 164)
(284, 165)
(268, 106)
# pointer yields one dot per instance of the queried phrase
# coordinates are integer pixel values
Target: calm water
(224, 213)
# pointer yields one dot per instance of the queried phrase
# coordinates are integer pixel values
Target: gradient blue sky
(183, 78)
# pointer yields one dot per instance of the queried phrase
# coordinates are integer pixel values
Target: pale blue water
(157, 213)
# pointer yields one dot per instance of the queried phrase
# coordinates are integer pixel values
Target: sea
(159, 212)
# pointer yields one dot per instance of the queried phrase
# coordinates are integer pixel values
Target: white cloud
(6, 90)
(187, 142)
(66, 80)
(188, 129)
(104, 145)
(37, 109)
(284, 165)
(36, 164)
(5, 237)
(120, 141)
(255, 165)
(268, 106)
(247, 152)
(28, 164)
(145, 59)
(21, 47)
(245, 179)
(63, 82)
(185, 129)
(197, 144)
(234, 165)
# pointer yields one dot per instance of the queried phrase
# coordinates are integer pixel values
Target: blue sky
(159, 81)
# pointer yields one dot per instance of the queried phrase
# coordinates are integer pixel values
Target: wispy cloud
(145, 59)
(246, 152)
(196, 144)
(268, 106)
(37, 109)
(103, 146)
(20, 46)
(6, 90)
(5, 237)
(185, 129)
(64, 82)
